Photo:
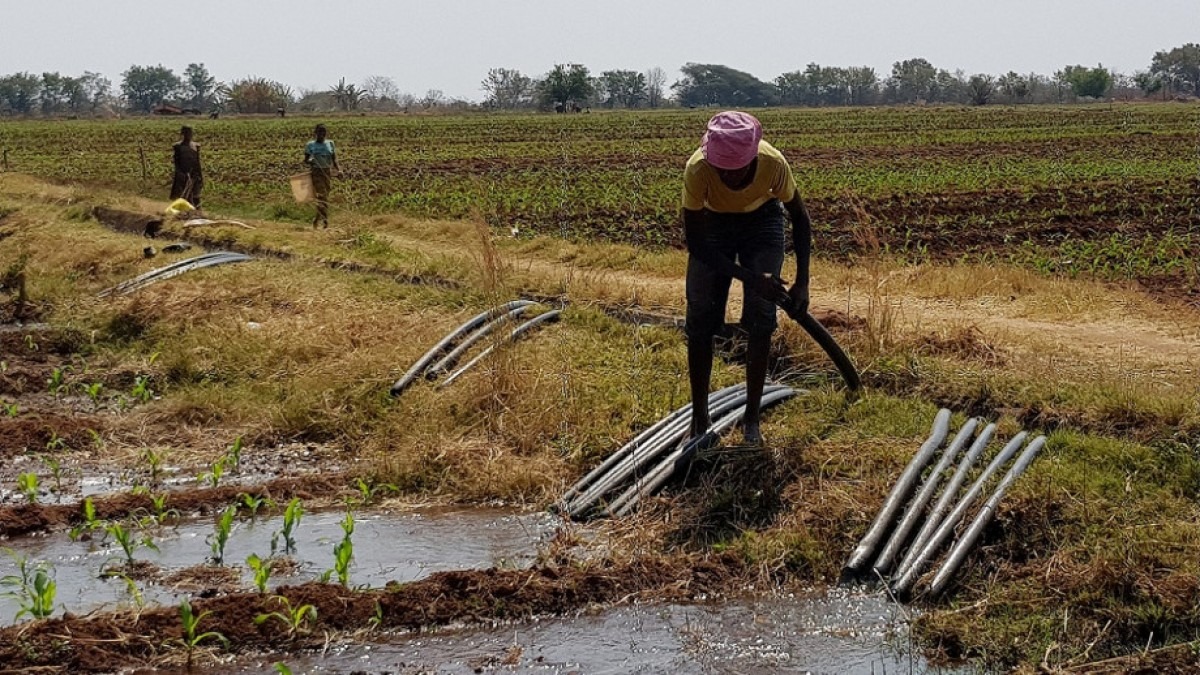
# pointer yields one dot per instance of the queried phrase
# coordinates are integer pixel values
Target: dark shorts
(321, 179)
(755, 241)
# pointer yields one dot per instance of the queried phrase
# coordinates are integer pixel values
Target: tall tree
(656, 86)
(19, 92)
(55, 92)
(1179, 68)
(259, 95)
(381, 92)
(622, 88)
(980, 88)
(146, 86)
(507, 88)
(1084, 81)
(97, 89)
(566, 82)
(198, 86)
(912, 80)
(347, 96)
(714, 84)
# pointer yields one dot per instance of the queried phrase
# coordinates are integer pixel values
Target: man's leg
(761, 252)
(707, 293)
(758, 350)
(700, 355)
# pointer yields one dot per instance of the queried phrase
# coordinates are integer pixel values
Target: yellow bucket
(302, 187)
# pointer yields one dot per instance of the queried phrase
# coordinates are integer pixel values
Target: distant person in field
(321, 158)
(736, 188)
(189, 180)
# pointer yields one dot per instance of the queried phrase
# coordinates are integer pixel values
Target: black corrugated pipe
(515, 335)
(630, 456)
(447, 362)
(175, 268)
(864, 552)
(904, 586)
(471, 324)
(946, 501)
(681, 457)
(916, 508)
(955, 558)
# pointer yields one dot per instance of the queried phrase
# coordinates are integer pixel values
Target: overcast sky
(451, 44)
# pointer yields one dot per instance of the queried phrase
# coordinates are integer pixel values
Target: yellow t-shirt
(703, 189)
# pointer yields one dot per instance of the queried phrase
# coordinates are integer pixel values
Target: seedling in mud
(12, 409)
(253, 504)
(261, 569)
(56, 470)
(343, 553)
(57, 380)
(93, 392)
(90, 522)
(154, 461)
(233, 455)
(282, 668)
(131, 588)
(161, 512)
(128, 542)
(97, 439)
(30, 343)
(220, 535)
(291, 518)
(191, 627)
(213, 476)
(141, 389)
(33, 587)
(367, 492)
(376, 620)
(296, 619)
(56, 442)
(27, 483)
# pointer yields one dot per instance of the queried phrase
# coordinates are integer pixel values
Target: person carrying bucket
(736, 188)
(321, 158)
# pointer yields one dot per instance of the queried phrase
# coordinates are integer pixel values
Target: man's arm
(802, 241)
(695, 232)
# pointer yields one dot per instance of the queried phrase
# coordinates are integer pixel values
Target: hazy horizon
(451, 46)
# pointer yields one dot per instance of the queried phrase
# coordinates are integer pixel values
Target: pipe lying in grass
(434, 352)
(863, 553)
(176, 268)
(447, 362)
(621, 456)
(667, 436)
(512, 337)
(681, 458)
(955, 558)
(945, 502)
(831, 348)
(903, 588)
(916, 508)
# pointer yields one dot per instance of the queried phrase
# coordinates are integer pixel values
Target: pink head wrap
(731, 141)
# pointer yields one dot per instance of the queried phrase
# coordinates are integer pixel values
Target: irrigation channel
(388, 546)
(837, 631)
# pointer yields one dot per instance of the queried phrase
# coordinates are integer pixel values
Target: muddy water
(399, 546)
(833, 631)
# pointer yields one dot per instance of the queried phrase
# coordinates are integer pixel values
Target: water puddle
(388, 546)
(835, 631)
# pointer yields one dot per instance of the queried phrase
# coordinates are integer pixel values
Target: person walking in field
(321, 158)
(736, 188)
(189, 179)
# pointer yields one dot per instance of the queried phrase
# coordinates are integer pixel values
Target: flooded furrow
(388, 546)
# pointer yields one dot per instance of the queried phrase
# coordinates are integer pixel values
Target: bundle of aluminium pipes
(174, 270)
(444, 356)
(903, 510)
(646, 463)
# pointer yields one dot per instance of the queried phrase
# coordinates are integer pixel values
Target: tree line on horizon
(142, 89)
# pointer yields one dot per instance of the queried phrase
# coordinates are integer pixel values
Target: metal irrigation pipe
(471, 324)
(916, 508)
(863, 553)
(682, 457)
(161, 270)
(447, 362)
(904, 586)
(946, 500)
(515, 335)
(955, 558)
(592, 486)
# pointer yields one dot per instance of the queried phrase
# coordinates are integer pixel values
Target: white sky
(451, 44)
